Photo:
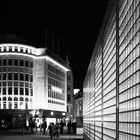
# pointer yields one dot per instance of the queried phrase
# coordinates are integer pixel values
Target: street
(39, 137)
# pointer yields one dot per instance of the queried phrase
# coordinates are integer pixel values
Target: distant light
(76, 91)
(51, 113)
(63, 114)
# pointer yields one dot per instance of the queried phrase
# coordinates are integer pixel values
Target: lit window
(4, 105)
(15, 105)
(26, 105)
(31, 92)
(21, 49)
(5, 49)
(16, 49)
(9, 105)
(10, 48)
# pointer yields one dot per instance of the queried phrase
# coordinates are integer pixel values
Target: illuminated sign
(56, 89)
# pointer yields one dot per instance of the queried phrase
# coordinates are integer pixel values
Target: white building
(32, 79)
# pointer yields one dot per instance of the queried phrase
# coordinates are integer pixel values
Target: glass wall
(129, 70)
(111, 89)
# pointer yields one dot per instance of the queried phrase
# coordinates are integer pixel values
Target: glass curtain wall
(111, 107)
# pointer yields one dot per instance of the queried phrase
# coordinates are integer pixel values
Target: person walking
(50, 129)
(44, 127)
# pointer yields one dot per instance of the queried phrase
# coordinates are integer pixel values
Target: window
(9, 76)
(4, 62)
(31, 92)
(15, 62)
(4, 76)
(15, 76)
(4, 91)
(0, 62)
(9, 90)
(31, 64)
(21, 62)
(9, 62)
(26, 63)
(4, 105)
(9, 105)
(15, 105)
(26, 91)
(16, 49)
(21, 77)
(26, 105)
(31, 78)
(10, 48)
(21, 49)
(21, 99)
(26, 77)
(21, 91)
(5, 49)
(15, 91)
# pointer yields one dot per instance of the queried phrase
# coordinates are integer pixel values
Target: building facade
(69, 113)
(32, 80)
(78, 108)
(111, 89)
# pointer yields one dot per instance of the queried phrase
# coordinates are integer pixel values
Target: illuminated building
(32, 79)
(111, 89)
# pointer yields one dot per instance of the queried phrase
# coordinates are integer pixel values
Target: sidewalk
(17, 135)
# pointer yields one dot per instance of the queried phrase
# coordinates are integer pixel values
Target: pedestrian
(61, 126)
(56, 130)
(44, 127)
(32, 125)
(50, 129)
(69, 126)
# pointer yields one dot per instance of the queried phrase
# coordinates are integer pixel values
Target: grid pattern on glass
(128, 95)
(129, 70)
(109, 79)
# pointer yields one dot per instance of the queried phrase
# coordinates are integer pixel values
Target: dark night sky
(76, 23)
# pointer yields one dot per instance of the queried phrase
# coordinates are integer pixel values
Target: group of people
(54, 130)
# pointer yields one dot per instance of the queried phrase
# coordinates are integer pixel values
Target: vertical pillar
(117, 69)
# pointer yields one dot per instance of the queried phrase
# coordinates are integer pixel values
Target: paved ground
(39, 137)
(17, 135)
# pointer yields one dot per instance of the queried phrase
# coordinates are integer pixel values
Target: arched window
(9, 99)
(15, 99)
(26, 99)
(21, 99)
(4, 98)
